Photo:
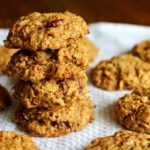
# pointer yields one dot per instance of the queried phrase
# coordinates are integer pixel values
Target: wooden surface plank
(127, 11)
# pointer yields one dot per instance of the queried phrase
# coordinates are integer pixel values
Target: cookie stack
(51, 67)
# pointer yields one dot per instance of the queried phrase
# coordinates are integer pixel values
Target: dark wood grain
(126, 11)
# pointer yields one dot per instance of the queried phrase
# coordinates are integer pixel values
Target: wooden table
(126, 11)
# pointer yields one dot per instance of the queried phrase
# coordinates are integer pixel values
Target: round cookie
(10, 140)
(133, 110)
(5, 55)
(90, 48)
(46, 31)
(122, 72)
(56, 121)
(48, 93)
(142, 50)
(5, 100)
(35, 66)
(122, 140)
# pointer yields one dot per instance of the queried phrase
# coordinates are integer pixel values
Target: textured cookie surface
(122, 140)
(133, 110)
(58, 120)
(142, 50)
(35, 66)
(5, 55)
(10, 140)
(46, 31)
(123, 72)
(90, 48)
(50, 92)
(4, 98)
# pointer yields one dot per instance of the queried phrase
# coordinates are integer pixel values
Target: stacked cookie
(51, 67)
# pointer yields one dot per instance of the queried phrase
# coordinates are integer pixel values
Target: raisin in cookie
(122, 140)
(122, 72)
(5, 55)
(35, 66)
(4, 98)
(46, 31)
(48, 93)
(142, 50)
(133, 110)
(10, 140)
(90, 48)
(56, 121)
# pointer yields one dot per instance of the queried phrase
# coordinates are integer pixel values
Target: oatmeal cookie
(90, 48)
(123, 72)
(5, 55)
(10, 140)
(50, 92)
(35, 66)
(46, 31)
(122, 140)
(133, 110)
(142, 50)
(4, 98)
(56, 121)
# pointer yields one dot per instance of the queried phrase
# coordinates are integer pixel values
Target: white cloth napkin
(112, 39)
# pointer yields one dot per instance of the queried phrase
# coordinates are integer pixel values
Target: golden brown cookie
(48, 93)
(4, 98)
(142, 50)
(46, 31)
(35, 66)
(133, 110)
(122, 72)
(90, 48)
(122, 140)
(5, 55)
(10, 140)
(56, 121)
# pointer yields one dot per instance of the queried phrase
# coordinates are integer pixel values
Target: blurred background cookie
(10, 140)
(142, 50)
(5, 99)
(121, 72)
(133, 110)
(5, 55)
(90, 48)
(123, 140)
